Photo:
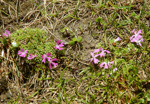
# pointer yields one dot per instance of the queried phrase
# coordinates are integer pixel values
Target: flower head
(45, 56)
(118, 39)
(52, 62)
(102, 54)
(59, 45)
(14, 44)
(30, 57)
(94, 58)
(107, 65)
(136, 34)
(22, 53)
(7, 34)
(137, 38)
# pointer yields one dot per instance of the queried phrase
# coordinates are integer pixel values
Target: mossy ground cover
(82, 26)
(35, 41)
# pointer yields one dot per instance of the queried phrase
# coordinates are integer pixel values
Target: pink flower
(115, 69)
(45, 56)
(118, 39)
(52, 62)
(58, 45)
(137, 38)
(94, 58)
(107, 65)
(22, 53)
(136, 35)
(7, 33)
(102, 54)
(30, 57)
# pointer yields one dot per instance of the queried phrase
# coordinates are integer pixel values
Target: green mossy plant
(75, 40)
(35, 41)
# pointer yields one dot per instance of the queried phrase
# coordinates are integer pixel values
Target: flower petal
(96, 61)
(106, 66)
(96, 50)
(55, 64)
(102, 54)
(50, 66)
(106, 51)
(92, 54)
(103, 63)
(58, 41)
(115, 69)
(5, 34)
(8, 33)
(55, 59)
(49, 54)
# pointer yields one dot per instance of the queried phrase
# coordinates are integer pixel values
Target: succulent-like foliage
(35, 41)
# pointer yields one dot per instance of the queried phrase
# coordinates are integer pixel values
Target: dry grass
(74, 81)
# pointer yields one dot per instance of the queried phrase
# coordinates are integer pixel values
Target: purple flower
(94, 58)
(30, 57)
(45, 56)
(107, 65)
(118, 39)
(7, 33)
(137, 38)
(115, 69)
(22, 53)
(136, 35)
(58, 45)
(52, 62)
(102, 54)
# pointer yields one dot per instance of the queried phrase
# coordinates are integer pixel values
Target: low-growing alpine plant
(137, 38)
(26, 53)
(98, 53)
(46, 56)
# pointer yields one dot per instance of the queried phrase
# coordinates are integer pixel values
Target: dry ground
(80, 18)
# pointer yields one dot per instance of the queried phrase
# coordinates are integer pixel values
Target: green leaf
(148, 97)
(133, 14)
(74, 39)
(79, 39)
(71, 42)
(141, 101)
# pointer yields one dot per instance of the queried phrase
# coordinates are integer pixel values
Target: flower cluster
(106, 65)
(23, 53)
(137, 38)
(46, 56)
